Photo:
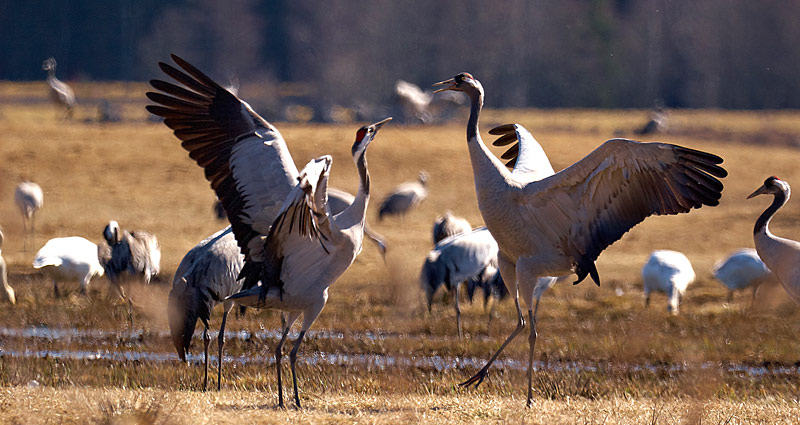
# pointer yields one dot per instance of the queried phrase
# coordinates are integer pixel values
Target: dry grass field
(376, 356)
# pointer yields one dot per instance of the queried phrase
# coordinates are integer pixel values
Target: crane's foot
(476, 379)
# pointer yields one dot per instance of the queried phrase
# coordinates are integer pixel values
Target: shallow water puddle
(378, 361)
(264, 334)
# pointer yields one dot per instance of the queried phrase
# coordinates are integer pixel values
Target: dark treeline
(545, 53)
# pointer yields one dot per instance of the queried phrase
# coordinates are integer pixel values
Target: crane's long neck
(763, 221)
(356, 213)
(486, 168)
(51, 74)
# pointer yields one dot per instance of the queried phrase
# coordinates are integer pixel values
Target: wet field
(375, 355)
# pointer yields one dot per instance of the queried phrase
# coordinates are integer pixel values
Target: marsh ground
(602, 357)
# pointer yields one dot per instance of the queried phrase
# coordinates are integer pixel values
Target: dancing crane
(280, 217)
(550, 224)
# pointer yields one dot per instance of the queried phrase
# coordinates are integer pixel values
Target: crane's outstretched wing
(525, 155)
(298, 237)
(244, 157)
(591, 204)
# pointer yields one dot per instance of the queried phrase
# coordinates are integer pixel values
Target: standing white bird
(29, 199)
(206, 276)
(4, 274)
(61, 94)
(292, 242)
(447, 225)
(128, 256)
(741, 270)
(69, 259)
(553, 224)
(781, 255)
(669, 272)
(404, 197)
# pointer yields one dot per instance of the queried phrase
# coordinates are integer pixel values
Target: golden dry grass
(122, 407)
(137, 173)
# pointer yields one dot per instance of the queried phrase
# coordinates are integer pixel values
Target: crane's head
(423, 177)
(182, 307)
(463, 82)
(48, 64)
(111, 233)
(364, 136)
(772, 186)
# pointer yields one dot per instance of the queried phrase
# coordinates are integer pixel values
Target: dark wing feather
(616, 187)
(243, 156)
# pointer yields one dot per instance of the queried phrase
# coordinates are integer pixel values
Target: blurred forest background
(738, 54)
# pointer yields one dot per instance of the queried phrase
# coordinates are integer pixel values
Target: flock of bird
(291, 236)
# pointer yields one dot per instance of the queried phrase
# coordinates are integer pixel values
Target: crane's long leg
(292, 361)
(531, 345)
(25, 231)
(458, 309)
(309, 316)
(221, 343)
(206, 342)
(481, 375)
(33, 231)
(279, 351)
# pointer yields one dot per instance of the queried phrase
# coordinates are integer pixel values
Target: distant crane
(447, 225)
(206, 276)
(60, 92)
(659, 120)
(781, 255)
(555, 224)
(4, 274)
(669, 272)
(127, 256)
(29, 198)
(69, 259)
(740, 270)
(469, 257)
(405, 197)
(280, 217)
(421, 107)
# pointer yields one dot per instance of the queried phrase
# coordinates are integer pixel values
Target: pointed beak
(760, 191)
(380, 124)
(451, 86)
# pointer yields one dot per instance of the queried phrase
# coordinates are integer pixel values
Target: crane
(404, 197)
(205, 277)
(69, 258)
(4, 274)
(29, 199)
(466, 257)
(551, 224)
(740, 270)
(447, 225)
(781, 255)
(669, 272)
(60, 92)
(128, 255)
(280, 217)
